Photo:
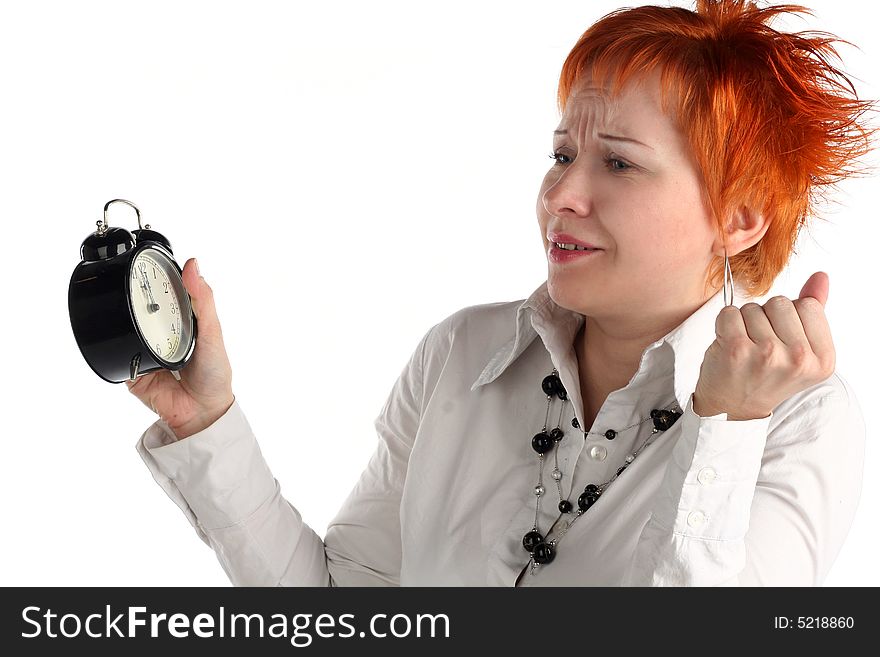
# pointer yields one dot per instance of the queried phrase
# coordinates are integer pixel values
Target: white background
(348, 174)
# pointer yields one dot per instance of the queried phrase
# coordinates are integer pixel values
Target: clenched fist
(762, 355)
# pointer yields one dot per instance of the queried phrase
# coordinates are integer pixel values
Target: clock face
(160, 305)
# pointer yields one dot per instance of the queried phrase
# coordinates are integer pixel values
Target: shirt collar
(558, 326)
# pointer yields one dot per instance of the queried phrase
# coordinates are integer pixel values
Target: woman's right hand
(204, 392)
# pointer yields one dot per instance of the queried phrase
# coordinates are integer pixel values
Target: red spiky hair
(768, 118)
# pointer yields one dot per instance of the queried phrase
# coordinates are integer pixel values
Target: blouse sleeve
(223, 486)
(764, 502)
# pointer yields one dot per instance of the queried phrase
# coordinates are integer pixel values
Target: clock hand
(153, 306)
(143, 289)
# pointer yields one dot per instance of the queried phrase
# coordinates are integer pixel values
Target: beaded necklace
(540, 549)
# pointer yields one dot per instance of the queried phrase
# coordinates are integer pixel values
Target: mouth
(561, 252)
(572, 247)
(566, 242)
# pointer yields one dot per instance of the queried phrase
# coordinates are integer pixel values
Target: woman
(625, 424)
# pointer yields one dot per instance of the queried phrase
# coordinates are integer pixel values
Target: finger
(729, 325)
(817, 286)
(757, 324)
(191, 277)
(786, 322)
(139, 382)
(144, 387)
(815, 326)
(202, 297)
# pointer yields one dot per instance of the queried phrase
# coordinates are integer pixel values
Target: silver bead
(630, 458)
(556, 474)
(539, 490)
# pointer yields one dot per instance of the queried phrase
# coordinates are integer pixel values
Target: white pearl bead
(630, 458)
(539, 490)
(556, 474)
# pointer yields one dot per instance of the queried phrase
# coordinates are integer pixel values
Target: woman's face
(640, 204)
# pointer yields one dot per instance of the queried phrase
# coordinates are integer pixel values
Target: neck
(609, 351)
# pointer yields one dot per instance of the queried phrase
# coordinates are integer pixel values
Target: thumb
(200, 294)
(817, 287)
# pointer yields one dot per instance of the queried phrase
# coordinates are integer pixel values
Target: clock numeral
(154, 273)
(166, 284)
(158, 349)
(170, 346)
(173, 330)
(173, 308)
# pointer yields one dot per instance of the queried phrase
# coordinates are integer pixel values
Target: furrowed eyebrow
(609, 137)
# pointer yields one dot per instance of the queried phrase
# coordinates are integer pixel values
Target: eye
(609, 162)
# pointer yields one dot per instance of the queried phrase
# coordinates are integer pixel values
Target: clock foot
(135, 363)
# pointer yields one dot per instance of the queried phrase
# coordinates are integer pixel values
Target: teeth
(572, 247)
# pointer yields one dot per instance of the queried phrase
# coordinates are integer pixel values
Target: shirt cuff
(219, 471)
(709, 483)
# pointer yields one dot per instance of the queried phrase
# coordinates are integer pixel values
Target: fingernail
(196, 263)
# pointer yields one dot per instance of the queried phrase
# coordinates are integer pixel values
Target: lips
(562, 256)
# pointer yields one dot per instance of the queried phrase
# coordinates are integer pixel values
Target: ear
(744, 228)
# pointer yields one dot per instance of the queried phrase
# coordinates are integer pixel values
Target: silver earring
(728, 275)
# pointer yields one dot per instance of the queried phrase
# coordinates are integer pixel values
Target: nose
(570, 192)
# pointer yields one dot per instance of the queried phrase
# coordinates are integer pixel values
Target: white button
(696, 518)
(706, 476)
(598, 452)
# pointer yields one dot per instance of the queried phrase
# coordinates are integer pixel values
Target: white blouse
(450, 491)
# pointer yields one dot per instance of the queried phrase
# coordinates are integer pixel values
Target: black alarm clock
(129, 310)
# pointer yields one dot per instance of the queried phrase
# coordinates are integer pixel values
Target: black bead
(551, 384)
(532, 539)
(557, 434)
(542, 443)
(575, 423)
(560, 392)
(664, 419)
(565, 506)
(585, 501)
(620, 469)
(543, 553)
(591, 489)
(611, 434)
